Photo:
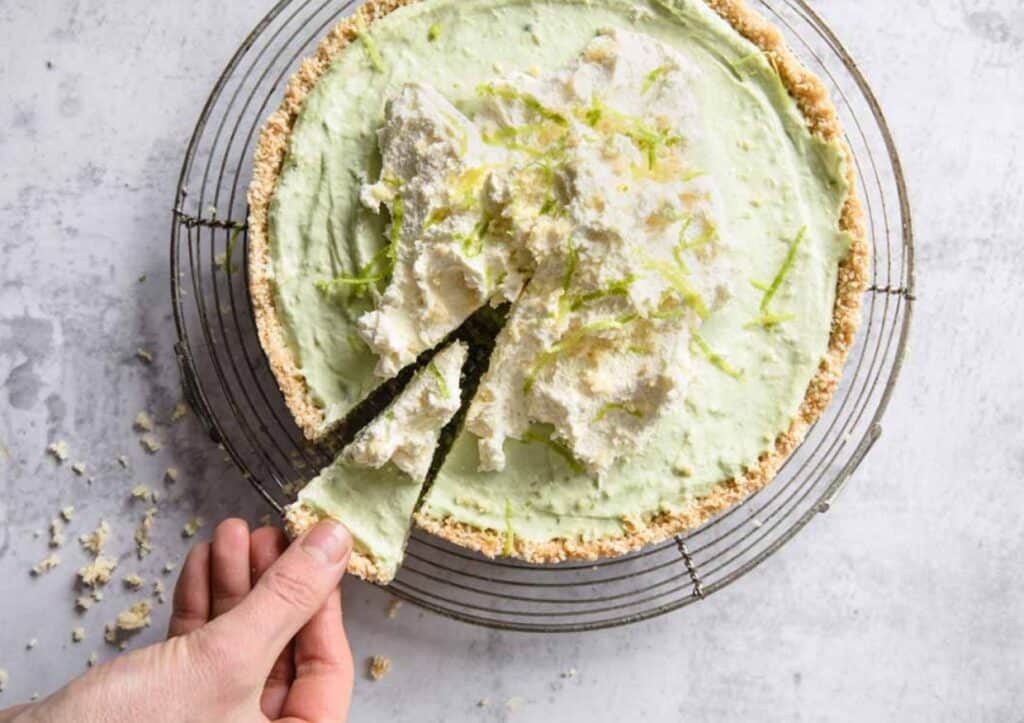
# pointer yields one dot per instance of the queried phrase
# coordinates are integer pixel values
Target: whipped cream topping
(578, 197)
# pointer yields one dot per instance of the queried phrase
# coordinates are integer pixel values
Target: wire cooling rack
(228, 383)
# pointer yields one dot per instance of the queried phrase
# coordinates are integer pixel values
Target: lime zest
(434, 32)
(510, 533)
(619, 287)
(571, 261)
(716, 360)
(677, 280)
(654, 76)
(769, 319)
(617, 407)
(528, 100)
(369, 44)
(438, 215)
(759, 285)
(397, 218)
(787, 264)
(441, 383)
(473, 242)
(533, 435)
(570, 342)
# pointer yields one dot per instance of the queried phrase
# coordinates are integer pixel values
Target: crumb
(59, 450)
(35, 696)
(683, 470)
(192, 527)
(31, 644)
(77, 635)
(483, 702)
(67, 512)
(393, 606)
(46, 564)
(171, 474)
(97, 595)
(143, 422)
(149, 443)
(159, 592)
(265, 521)
(128, 621)
(4, 677)
(756, 522)
(514, 703)
(170, 567)
(78, 468)
(144, 355)
(94, 541)
(379, 666)
(93, 659)
(179, 411)
(133, 581)
(143, 546)
(56, 532)
(122, 460)
(83, 602)
(142, 279)
(570, 673)
(135, 618)
(98, 572)
(140, 492)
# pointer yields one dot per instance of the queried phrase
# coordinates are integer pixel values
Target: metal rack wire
(229, 385)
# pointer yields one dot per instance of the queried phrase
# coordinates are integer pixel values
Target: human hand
(255, 635)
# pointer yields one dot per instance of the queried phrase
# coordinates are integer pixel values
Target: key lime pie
(655, 200)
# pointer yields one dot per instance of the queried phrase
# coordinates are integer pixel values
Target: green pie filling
(782, 191)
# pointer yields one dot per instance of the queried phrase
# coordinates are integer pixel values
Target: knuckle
(291, 590)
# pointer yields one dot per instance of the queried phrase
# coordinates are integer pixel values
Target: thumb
(289, 593)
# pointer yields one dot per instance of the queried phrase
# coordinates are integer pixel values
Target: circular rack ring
(228, 383)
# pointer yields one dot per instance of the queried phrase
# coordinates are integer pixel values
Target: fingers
(322, 689)
(266, 545)
(229, 566)
(191, 604)
(289, 592)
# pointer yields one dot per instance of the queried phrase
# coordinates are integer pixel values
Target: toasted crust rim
(822, 120)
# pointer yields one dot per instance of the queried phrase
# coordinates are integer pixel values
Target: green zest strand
(510, 533)
(716, 360)
(372, 52)
(532, 435)
(787, 264)
(617, 407)
(441, 383)
(654, 76)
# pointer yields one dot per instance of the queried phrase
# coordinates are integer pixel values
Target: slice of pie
(374, 484)
(657, 193)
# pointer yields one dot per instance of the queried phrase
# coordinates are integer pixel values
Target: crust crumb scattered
(143, 422)
(380, 665)
(133, 581)
(192, 527)
(94, 541)
(77, 635)
(59, 450)
(46, 564)
(98, 572)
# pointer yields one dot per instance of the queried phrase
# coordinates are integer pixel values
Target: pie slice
(374, 484)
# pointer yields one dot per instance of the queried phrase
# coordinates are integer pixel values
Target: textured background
(903, 603)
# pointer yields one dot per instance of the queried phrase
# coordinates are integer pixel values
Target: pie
(643, 213)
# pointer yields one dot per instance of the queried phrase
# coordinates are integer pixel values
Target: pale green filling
(775, 180)
(375, 504)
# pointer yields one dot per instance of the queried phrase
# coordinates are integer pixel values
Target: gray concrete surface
(903, 603)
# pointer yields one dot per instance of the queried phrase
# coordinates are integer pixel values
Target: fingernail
(328, 542)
